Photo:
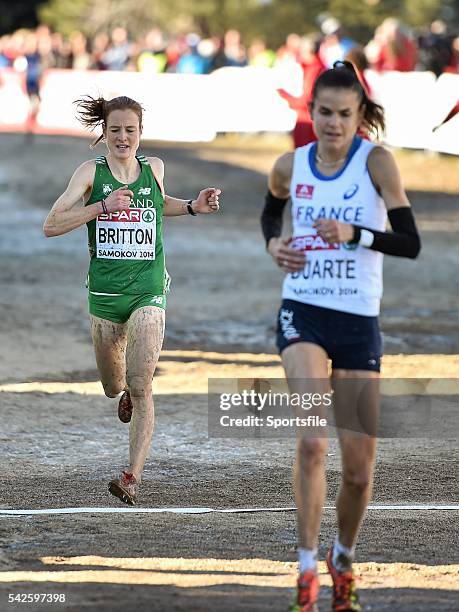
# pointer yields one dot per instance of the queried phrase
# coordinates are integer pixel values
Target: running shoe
(307, 593)
(345, 598)
(125, 488)
(125, 408)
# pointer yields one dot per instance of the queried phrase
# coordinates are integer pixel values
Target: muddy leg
(109, 340)
(144, 342)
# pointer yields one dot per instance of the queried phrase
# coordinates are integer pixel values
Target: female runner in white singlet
(342, 189)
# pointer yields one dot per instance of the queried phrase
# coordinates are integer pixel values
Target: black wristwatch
(190, 209)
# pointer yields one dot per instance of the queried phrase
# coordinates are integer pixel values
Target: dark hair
(356, 55)
(92, 112)
(344, 75)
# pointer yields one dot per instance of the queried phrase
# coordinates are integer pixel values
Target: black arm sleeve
(403, 241)
(271, 217)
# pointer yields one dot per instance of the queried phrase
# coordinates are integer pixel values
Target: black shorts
(352, 342)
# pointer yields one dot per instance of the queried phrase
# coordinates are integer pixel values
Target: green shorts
(119, 307)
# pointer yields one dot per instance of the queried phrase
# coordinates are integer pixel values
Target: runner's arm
(276, 197)
(288, 259)
(173, 207)
(404, 240)
(206, 202)
(69, 212)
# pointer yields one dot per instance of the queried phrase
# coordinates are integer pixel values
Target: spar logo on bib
(304, 191)
(148, 216)
(133, 215)
(313, 242)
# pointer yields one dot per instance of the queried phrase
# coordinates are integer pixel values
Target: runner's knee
(311, 451)
(139, 386)
(112, 389)
(357, 480)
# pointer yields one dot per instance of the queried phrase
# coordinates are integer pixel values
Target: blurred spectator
(99, 48)
(334, 45)
(435, 49)
(219, 60)
(207, 49)
(48, 57)
(33, 65)
(392, 48)
(118, 53)
(192, 61)
(15, 45)
(30, 62)
(4, 59)
(312, 66)
(234, 50)
(259, 55)
(174, 50)
(288, 53)
(153, 57)
(81, 60)
(454, 62)
(61, 51)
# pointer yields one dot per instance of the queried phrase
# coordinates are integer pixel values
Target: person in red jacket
(392, 48)
(312, 67)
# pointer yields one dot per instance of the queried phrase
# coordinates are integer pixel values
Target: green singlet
(127, 268)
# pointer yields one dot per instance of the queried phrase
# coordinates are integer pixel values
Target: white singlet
(337, 276)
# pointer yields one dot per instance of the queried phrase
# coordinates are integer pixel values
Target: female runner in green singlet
(121, 198)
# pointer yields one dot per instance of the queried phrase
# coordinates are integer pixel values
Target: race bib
(128, 234)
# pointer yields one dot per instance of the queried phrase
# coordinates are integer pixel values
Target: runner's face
(337, 116)
(122, 133)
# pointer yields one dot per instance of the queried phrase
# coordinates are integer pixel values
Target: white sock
(307, 559)
(342, 556)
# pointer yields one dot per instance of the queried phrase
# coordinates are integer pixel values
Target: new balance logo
(144, 191)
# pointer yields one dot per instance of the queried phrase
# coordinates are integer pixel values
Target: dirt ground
(61, 441)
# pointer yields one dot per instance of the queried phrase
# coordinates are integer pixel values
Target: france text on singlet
(337, 276)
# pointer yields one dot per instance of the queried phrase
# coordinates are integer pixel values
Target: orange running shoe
(307, 593)
(125, 408)
(345, 598)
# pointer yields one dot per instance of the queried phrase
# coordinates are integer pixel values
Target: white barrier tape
(415, 103)
(5, 512)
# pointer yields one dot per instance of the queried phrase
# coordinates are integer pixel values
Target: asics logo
(351, 191)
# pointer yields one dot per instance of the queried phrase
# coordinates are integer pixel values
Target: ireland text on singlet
(126, 247)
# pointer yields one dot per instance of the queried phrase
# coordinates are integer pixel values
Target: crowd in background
(393, 47)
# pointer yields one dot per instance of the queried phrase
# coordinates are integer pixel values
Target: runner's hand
(287, 259)
(119, 200)
(207, 201)
(333, 231)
